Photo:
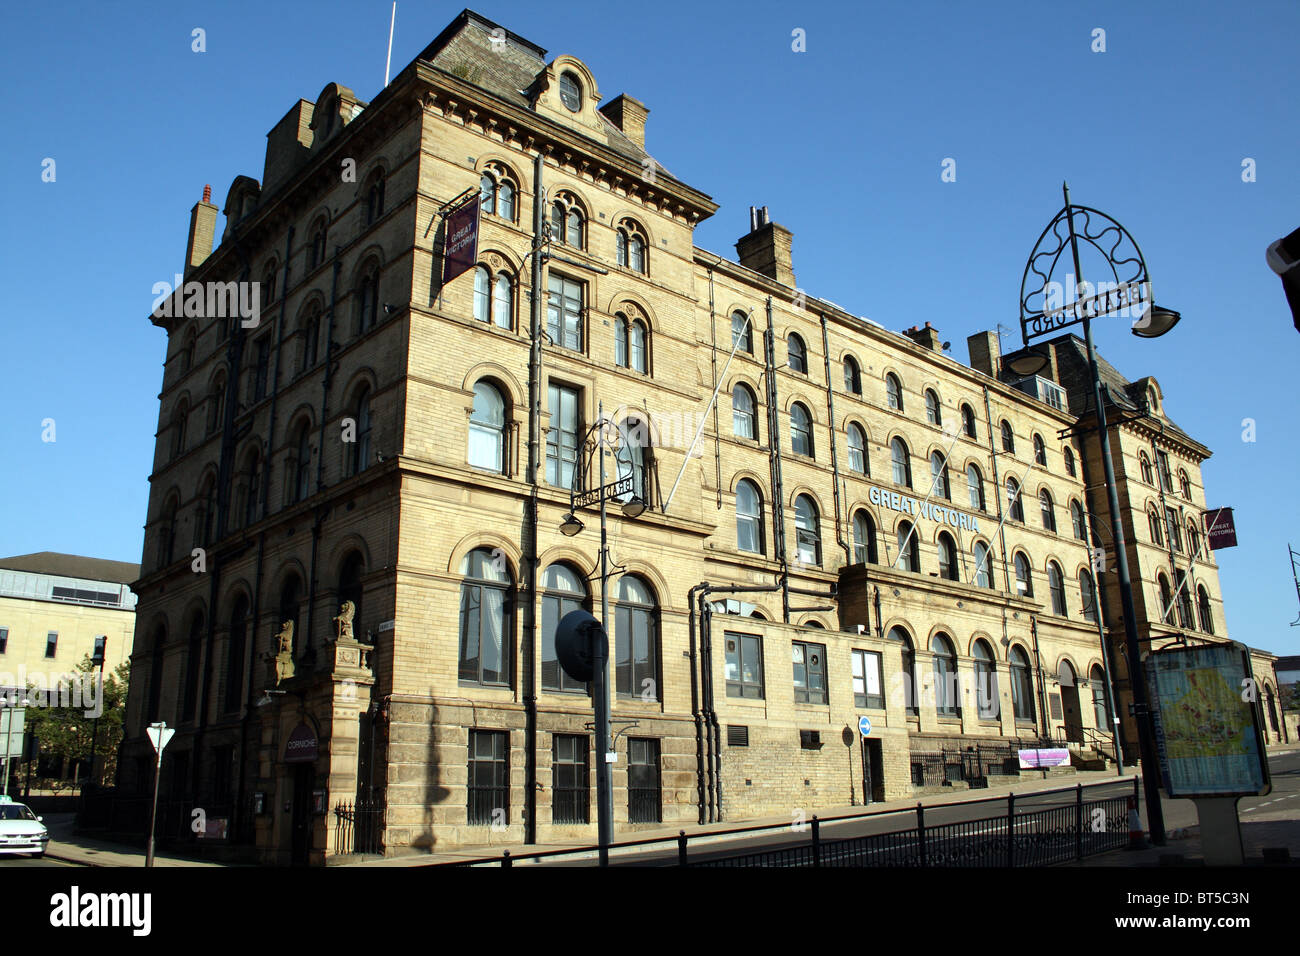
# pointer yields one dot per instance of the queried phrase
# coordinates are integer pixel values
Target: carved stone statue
(344, 620)
(284, 659)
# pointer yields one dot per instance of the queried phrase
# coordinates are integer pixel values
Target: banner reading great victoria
(460, 244)
(923, 509)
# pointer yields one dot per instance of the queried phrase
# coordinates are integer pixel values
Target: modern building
(354, 564)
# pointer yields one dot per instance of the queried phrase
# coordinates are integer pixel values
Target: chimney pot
(207, 193)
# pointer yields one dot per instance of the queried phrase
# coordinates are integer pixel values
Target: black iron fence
(358, 827)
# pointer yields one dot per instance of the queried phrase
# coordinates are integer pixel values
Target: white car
(21, 831)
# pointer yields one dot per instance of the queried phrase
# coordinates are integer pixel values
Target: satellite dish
(574, 644)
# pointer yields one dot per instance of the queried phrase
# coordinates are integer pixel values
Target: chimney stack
(629, 115)
(766, 249)
(927, 337)
(984, 353)
(203, 227)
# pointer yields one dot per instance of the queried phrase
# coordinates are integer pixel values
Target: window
(975, 485)
(796, 354)
(186, 356)
(932, 413)
(741, 332)
(809, 672)
(300, 464)
(1040, 451)
(367, 301)
(571, 789)
(939, 476)
(568, 224)
(643, 791)
(807, 534)
(1203, 606)
(497, 193)
(968, 421)
(1166, 599)
(562, 436)
(744, 424)
(570, 91)
(167, 532)
(868, 683)
(630, 457)
(486, 613)
(1077, 523)
(290, 599)
(744, 665)
(193, 652)
(986, 681)
(864, 538)
(894, 392)
(1193, 538)
(1144, 463)
(155, 677)
(1024, 576)
(1174, 529)
(983, 565)
(946, 695)
(310, 340)
(489, 778)
(630, 246)
(207, 513)
(1015, 506)
(236, 642)
(1047, 510)
(857, 450)
(261, 367)
(1166, 479)
(948, 567)
(749, 517)
(360, 457)
(1100, 705)
(1008, 437)
(1185, 616)
(1069, 461)
(909, 668)
(629, 343)
(563, 590)
(180, 418)
(564, 312)
(852, 376)
(351, 588)
(908, 553)
(636, 658)
(1056, 586)
(375, 198)
(503, 302)
(1153, 526)
(1088, 591)
(801, 438)
(51, 643)
(249, 484)
(217, 403)
(4, 639)
(902, 464)
(316, 255)
(1185, 484)
(1022, 688)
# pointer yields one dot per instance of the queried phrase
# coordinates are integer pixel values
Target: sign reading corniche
(923, 509)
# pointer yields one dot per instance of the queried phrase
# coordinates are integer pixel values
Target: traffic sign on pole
(160, 736)
(864, 726)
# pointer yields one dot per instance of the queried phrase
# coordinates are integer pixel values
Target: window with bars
(570, 776)
(489, 777)
(643, 785)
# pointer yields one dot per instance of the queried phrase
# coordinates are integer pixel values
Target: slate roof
(73, 566)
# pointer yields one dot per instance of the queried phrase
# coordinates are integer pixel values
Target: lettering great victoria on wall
(928, 509)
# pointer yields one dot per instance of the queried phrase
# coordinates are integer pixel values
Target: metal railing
(358, 827)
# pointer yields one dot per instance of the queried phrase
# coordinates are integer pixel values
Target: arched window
(631, 245)
(852, 376)
(939, 476)
(637, 346)
(487, 428)
(1022, 686)
(629, 343)
(167, 531)
(986, 681)
(180, 422)
(300, 463)
(909, 556)
(1193, 538)
(975, 484)
(932, 413)
(350, 588)
(946, 695)
(620, 340)
(503, 302)
(744, 422)
(563, 590)
(1015, 506)
(1024, 576)
(1077, 523)
(1056, 585)
(749, 517)
(857, 450)
(207, 512)
(633, 444)
(375, 198)
(1100, 705)
(482, 294)
(1008, 437)
(1185, 484)
(1154, 526)
(290, 599)
(506, 199)
(864, 538)
(901, 462)
(801, 437)
(894, 392)
(983, 565)
(742, 332)
(497, 193)
(968, 421)
(948, 567)
(193, 652)
(1069, 461)
(359, 457)
(187, 348)
(310, 340)
(807, 530)
(156, 675)
(367, 301)
(316, 255)
(487, 194)
(250, 482)
(1040, 451)
(568, 224)
(236, 644)
(1088, 591)
(636, 640)
(486, 618)
(1166, 599)
(1186, 617)
(908, 655)
(796, 353)
(1144, 463)
(1203, 606)
(1047, 510)
(217, 403)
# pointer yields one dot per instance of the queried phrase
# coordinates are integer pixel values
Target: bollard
(1011, 829)
(681, 847)
(1078, 822)
(920, 830)
(505, 859)
(817, 841)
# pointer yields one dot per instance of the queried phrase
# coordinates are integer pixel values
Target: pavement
(69, 847)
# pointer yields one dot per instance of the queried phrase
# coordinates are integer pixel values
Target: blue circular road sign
(864, 726)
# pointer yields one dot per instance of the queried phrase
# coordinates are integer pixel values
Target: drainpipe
(275, 382)
(251, 638)
(774, 462)
(695, 701)
(329, 371)
(713, 359)
(998, 490)
(1042, 685)
(835, 464)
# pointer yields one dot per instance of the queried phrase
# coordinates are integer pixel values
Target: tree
(65, 716)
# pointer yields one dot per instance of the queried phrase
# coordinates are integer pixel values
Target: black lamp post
(1131, 292)
(98, 660)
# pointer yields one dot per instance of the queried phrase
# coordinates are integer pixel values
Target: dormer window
(570, 91)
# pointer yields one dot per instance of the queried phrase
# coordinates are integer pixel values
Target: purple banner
(1046, 757)
(1220, 532)
(460, 242)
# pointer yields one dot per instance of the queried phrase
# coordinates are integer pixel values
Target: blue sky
(844, 143)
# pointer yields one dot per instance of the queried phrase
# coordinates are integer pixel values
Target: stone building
(354, 562)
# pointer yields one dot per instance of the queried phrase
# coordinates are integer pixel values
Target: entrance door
(1070, 704)
(303, 777)
(873, 771)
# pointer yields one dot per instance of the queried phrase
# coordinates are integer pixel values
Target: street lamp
(1130, 292)
(97, 659)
